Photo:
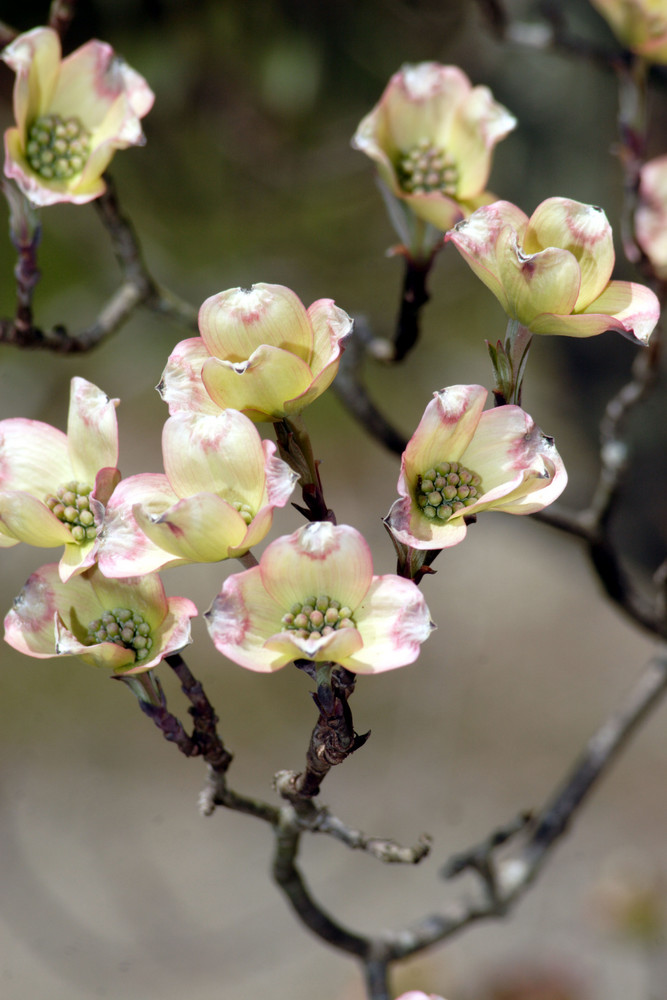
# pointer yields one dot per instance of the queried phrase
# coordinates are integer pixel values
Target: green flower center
(57, 148)
(317, 616)
(125, 628)
(244, 510)
(426, 168)
(71, 505)
(445, 489)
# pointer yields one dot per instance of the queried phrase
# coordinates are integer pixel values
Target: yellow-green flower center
(425, 168)
(244, 510)
(125, 628)
(71, 505)
(445, 489)
(317, 616)
(57, 148)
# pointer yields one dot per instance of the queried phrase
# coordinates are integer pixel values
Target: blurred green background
(111, 884)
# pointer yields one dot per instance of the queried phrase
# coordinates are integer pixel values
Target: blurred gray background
(111, 884)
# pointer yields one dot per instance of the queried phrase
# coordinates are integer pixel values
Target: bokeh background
(111, 884)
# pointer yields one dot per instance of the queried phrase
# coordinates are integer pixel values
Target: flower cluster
(552, 271)
(71, 116)
(432, 136)
(461, 461)
(260, 351)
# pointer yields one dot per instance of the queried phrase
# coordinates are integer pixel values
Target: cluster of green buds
(426, 168)
(71, 505)
(317, 616)
(446, 488)
(125, 628)
(244, 510)
(57, 148)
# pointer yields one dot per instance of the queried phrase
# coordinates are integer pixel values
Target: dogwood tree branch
(511, 876)
(137, 288)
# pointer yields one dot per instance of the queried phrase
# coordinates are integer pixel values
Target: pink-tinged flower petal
(331, 326)
(33, 456)
(92, 430)
(256, 532)
(440, 210)
(124, 548)
(544, 282)
(6, 541)
(220, 454)
(240, 620)
(319, 558)
(260, 386)
(35, 58)
(30, 520)
(476, 240)
(479, 123)
(393, 620)
(628, 308)
(445, 430)
(584, 231)
(94, 81)
(651, 214)
(181, 385)
(411, 528)
(337, 647)
(30, 625)
(145, 593)
(197, 529)
(235, 322)
(280, 479)
(77, 558)
(507, 444)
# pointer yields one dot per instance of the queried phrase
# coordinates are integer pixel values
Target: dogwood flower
(54, 486)
(127, 626)
(651, 214)
(216, 500)
(260, 351)
(640, 25)
(314, 596)
(552, 271)
(71, 116)
(461, 461)
(432, 136)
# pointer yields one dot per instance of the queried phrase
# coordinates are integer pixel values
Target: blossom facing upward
(127, 626)
(314, 596)
(651, 214)
(71, 116)
(260, 351)
(463, 460)
(432, 136)
(54, 486)
(216, 500)
(640, 25)
(552, 271)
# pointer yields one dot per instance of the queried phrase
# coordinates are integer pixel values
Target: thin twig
(289, 879)
(137, 288)
(61, 15)
(514, 874)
